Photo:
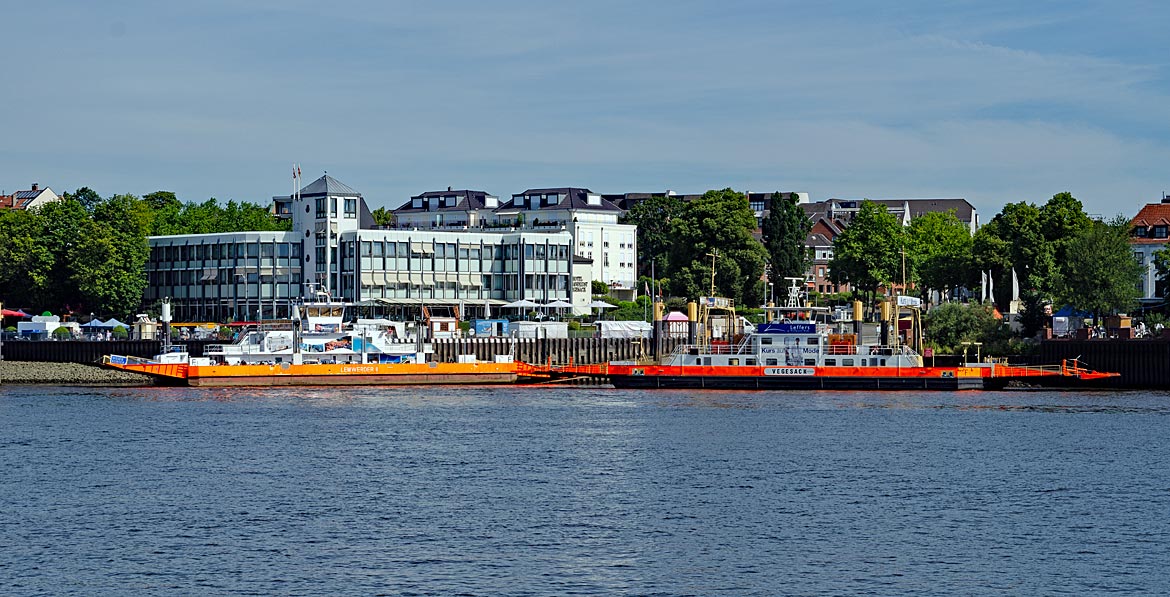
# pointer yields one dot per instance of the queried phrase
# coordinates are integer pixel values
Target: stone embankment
(24, 372)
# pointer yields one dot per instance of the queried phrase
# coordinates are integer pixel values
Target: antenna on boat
(793, 294)
(713, 255)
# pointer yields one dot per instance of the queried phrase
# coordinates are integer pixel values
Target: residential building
(462, 209)
(592, 221)
(1150, 233)
(34, 197)
(843, 210)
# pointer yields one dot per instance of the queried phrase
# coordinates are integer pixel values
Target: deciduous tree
(785, 231)
(720, 222)
(653, 217)
(867, 254)
(1100, 273)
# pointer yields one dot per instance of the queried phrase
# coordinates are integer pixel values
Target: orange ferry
(321, 350)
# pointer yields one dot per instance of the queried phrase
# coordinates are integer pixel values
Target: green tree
(785, 231)
(1015, 239)
(948, 325)
(383, 217)
(166, 207)
(599, 288)
(26, 263)
(63, 225)
(719, 223)
(867, 254)
(1062, 219)
(1161, 259)
(110, 260)
(87, 197)
(940, 248)
(1100, 273)
(653, 217)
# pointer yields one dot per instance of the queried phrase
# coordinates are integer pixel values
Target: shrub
(62, 333)
(600, 288)
(120, 333)
(950, 324)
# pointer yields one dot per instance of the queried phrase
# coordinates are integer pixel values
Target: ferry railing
(866, 350)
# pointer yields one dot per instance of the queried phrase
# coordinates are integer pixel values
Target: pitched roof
(466, 200)
(1151, 214)
(22, 199)
(569, 198)
(328, 186)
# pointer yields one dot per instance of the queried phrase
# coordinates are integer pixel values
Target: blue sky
(995, 102)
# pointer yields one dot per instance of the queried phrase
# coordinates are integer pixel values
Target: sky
(995, 102)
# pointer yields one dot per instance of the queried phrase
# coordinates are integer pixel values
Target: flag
(647, 288)
(298, 171)
(1015, 286)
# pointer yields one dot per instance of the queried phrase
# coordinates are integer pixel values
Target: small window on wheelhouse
(770, 362)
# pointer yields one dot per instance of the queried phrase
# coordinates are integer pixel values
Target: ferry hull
(804, 378)
(724, 382)
(287, 374)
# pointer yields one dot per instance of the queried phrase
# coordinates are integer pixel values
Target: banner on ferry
(787, 328)
(790, 371)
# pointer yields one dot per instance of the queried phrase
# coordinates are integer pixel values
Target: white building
(34, 197)
(334, 246)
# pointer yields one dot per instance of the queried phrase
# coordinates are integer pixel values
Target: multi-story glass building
(334, 248)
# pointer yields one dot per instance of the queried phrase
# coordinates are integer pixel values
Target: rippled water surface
(561, 491)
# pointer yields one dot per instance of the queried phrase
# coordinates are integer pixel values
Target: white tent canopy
(521, 304)
(602, 305)
(559, 304)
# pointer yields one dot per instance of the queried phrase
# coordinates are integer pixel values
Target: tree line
(689, 246)
(86, 253)
(1059, 254)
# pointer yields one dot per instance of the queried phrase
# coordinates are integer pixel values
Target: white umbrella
(487, 310)
(602, 305)
(521, 304)
(559, 304)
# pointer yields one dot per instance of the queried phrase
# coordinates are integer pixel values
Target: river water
(581, 491)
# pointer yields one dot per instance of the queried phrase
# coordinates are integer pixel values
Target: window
(733, 362)
(351, 208)
(750, 362)
(770, 362)
(765, 340)
(847, 362)
(1140, 231)
(830, 362)
(1160, 231)
(810, 362)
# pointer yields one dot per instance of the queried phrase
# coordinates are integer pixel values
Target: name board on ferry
(807, 371)
(787, 328)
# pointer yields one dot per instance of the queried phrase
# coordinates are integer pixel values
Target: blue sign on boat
(117, 359)
(786, 328)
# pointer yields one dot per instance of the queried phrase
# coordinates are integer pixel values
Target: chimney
(35, 186)
(448, 189)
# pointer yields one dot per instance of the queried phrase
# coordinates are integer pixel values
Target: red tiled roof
(1152, 214)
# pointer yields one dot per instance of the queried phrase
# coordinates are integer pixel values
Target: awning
(209, 273)
(416, 279)
(421, 247)
(368, 280)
